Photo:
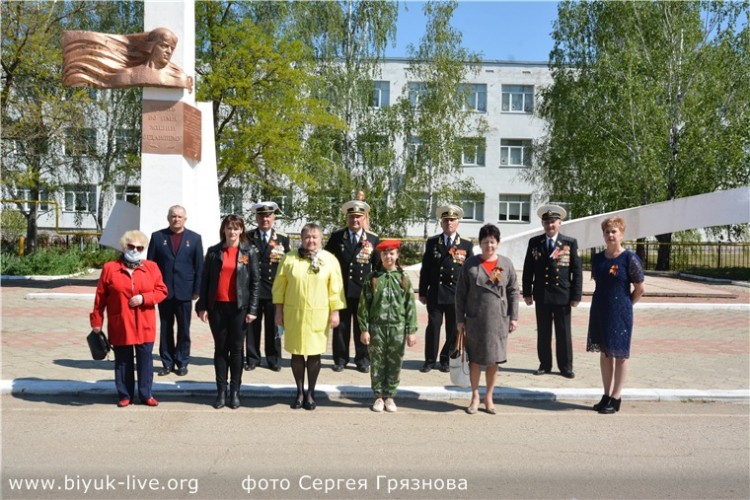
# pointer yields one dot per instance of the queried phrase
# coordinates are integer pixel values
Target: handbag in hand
(98, 344)
(459, 364)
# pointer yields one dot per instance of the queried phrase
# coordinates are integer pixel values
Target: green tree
(435, 124)
(348, 39)
(37, 113)
(263, 88)
(650, 102)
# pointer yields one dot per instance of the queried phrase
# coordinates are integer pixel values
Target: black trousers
(546, 315)
(272, 344)
(174, 353)
(435, 314)
(227, 324)
(342, 334)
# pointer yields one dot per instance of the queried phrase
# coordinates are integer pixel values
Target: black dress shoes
(542, 371)
(602, 403)
(297, 403)
(275, 368)
(164, 372)
(181, 372)
(309, 405)
(221, 399)
(363, 369)
(445, 367)
(234, 399)
(426, 368)
(568, 374)
(249, 367)
(338, 368)
(613, 405)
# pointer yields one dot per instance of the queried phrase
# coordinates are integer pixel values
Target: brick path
(678, 344)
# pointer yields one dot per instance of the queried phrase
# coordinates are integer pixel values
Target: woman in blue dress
(611, 319)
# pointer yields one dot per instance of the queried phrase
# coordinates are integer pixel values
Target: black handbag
(98, 344)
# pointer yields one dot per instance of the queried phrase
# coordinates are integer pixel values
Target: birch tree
(650, 102)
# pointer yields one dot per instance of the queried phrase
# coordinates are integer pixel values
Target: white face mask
(133, 255)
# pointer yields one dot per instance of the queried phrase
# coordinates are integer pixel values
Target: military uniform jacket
(270, 255)
(389, 304)
(356, 260)
(556, 278)
(441, 266)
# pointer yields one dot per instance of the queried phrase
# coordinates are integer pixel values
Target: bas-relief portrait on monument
(103, 60)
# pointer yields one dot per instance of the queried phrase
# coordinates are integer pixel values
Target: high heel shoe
(602, 403)
(234, 398)
(612, 406)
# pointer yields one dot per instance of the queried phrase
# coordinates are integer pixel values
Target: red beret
(388, 245)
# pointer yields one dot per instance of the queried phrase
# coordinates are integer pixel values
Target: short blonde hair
(615, 221)
(133, 235)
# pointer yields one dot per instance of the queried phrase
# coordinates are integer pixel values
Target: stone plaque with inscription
(171, 128)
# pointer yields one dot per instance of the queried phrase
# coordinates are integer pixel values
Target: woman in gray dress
(486, 312)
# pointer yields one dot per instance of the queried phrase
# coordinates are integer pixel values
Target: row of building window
(513, 152)
(473, 96)
(511, 207)
(77, 198)
(83, 198)
(79, 142)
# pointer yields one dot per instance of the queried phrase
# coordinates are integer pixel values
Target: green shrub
(54, 261)
(725, 273)
(98, 257)
(12, 225)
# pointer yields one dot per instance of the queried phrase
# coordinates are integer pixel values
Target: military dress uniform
(441, 265)
(357, 259)
(271, 249)
(553, 277)
(387, 310)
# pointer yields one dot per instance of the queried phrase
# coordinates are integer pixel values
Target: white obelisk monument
(174, 179)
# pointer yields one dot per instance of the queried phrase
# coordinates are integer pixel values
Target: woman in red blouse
(228, 301)
(129, 289)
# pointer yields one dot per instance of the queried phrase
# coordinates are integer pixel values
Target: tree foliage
(432, 114)
(263, 88)
(36, 111)
(650, 102)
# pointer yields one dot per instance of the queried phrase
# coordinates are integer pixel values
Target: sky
(498, 30)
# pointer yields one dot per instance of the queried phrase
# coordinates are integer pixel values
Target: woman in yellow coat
(308, 292)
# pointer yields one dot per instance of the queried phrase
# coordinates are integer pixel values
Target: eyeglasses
(138, 248)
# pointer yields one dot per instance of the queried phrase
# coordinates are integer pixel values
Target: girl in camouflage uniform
(388, 319)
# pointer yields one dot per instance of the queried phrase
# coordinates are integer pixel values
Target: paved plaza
(691, 341)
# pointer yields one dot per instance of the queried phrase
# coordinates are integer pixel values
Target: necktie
(448, 241)
(265, 237)
(550, 246)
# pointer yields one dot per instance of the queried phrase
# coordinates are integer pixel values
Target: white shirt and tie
(550, 245)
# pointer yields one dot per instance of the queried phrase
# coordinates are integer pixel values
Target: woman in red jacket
(129, 289)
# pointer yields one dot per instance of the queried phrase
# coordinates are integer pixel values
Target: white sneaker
(378, 405)
(390, 405)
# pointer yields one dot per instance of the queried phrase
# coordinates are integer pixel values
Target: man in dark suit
(179, 254)
(271, 246)
(443, 257)
(354, 247)
(552, 277)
